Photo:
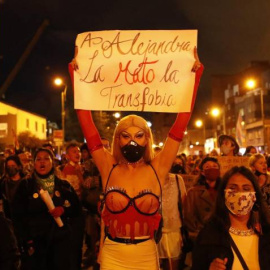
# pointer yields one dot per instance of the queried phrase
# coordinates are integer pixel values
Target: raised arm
(166, 157)
(103, 159)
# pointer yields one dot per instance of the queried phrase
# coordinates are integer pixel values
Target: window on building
(43, 128)
(36, 124)
(27, 123)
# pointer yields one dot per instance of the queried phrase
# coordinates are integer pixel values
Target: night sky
(231, 34)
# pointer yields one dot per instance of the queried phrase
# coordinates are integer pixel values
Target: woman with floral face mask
(200, 200)
(258, 165)
(238, 234)
(132, 180)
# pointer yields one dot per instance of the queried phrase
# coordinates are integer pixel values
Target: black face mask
(177, 168)
(257, 173)
(133, 152)
(11, 171)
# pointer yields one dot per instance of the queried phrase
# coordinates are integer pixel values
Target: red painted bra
(120, 207)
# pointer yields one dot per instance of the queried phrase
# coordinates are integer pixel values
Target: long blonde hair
(254, 158)
(132, 121)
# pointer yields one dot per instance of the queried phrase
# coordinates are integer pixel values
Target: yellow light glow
(215, 112)
(117, 115)
(58, 81)
(199, 123)
(250, 83)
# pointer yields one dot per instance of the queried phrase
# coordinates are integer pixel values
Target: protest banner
(226, 163)
(189, 180)
(135, 70)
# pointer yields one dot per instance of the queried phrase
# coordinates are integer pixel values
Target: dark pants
(77, 233)
(51, 251)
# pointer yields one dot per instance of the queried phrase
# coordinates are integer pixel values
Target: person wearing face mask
(258, 165)
(238, 233)
(9, 183)
(132, 179)
(200, 200)
(173, 196)
(179, 165)
(228, 145)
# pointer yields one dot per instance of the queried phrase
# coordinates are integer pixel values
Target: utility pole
(23, 58)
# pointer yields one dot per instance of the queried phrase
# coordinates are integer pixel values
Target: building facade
(246, 110)
(14, 121)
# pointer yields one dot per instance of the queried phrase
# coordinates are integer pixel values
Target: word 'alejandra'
(134, 46)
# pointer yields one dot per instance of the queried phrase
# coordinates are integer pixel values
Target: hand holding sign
(181, 122)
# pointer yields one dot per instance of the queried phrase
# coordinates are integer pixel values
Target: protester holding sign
(238, 234)
(228, 145)
(132, 181)
(258, 165)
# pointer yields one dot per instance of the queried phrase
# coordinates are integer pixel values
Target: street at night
(134, 135)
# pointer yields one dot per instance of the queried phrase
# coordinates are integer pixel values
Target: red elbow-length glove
(88, 127)
(177, 130)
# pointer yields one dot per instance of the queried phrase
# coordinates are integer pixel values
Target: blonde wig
(132, 121)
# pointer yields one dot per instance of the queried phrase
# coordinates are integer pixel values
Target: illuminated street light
(59, 82)
(117, 115)
(149, 124)
(160, 144)
(199, 123)
(215, 112)
(250, 83)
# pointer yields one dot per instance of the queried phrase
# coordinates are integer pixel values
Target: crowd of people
(130, 205)
(36, 241)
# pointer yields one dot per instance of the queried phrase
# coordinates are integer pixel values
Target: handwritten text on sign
(135, 70)
(226, 163)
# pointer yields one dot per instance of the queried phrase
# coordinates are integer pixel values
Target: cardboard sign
(189, 180)
(226, 163)
(135, 70)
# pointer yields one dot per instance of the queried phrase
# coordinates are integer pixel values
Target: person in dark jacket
(9, 253)
(10, 182)
(240, 215)
(47, 241)
(200, 201)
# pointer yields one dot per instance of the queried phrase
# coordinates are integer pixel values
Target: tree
(28, 141)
